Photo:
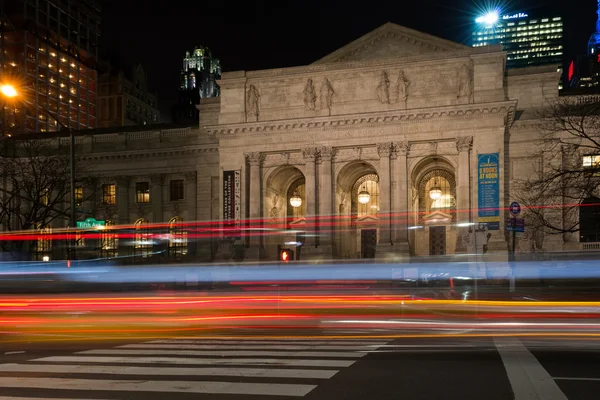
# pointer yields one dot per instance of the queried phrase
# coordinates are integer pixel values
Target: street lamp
(10, 91)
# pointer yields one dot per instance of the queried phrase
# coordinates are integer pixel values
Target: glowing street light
(8, 90)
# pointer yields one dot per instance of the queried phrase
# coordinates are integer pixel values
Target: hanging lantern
(364, 197)
(435, 192)
(295, 200)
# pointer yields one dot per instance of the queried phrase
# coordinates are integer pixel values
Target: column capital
(327, 152)
(384, 149)
(255, 158)
(464, 143)
(400, 148)
(310, 153)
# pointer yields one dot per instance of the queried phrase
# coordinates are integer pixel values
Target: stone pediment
(437, 218)
(390, 41)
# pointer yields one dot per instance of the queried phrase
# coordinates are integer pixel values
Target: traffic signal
(286, 255)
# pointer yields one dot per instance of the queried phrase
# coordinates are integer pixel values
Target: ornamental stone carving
(255, 158)
(465, 82)
(327, 152)
(433, 147)
(401, 88)
(310, 153)
(190, 176)
(464, 143)
(252, 103)
(310, 95)
(383, 88)
(384, 149)
(327, 94)
(402, 148)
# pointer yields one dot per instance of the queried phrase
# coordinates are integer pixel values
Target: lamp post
(10, 91)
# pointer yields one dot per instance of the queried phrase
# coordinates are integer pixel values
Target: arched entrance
(434, 223)
(285, 206)
(357, 197)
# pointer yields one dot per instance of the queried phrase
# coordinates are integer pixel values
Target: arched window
(296, 190)
(589, 220)
(365, 196)
(437, 193)
(109, 242)
(178, 240)
(142, 244)
(44, 243)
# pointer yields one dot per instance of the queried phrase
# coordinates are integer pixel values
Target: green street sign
(90, 223)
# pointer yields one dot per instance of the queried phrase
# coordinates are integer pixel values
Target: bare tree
(565, 166)
(35, 186)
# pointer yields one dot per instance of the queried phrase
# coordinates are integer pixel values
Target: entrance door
(437, 240)
(368, 242)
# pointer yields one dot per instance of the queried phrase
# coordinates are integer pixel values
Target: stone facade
(395, 115)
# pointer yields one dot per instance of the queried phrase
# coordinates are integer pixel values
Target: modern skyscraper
(527, 40)
(49, 51)
(584, 70)
(199, 76)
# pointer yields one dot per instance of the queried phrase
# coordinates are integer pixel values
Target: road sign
(90, 223)
(515, 208)
(515, 224)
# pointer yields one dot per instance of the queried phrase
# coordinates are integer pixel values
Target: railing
(590, 246)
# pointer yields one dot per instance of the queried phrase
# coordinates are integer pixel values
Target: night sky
(250, 35)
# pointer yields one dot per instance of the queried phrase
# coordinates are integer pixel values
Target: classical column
(384, 150)
(254, 160)
(400, 196)
(325, 196)
(123, 199)
(156, 197)
(463, 208)
(190, 196)
(310, 155)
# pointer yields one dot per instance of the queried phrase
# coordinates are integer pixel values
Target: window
(109, 240)
(177, 189)
(78, 196)
(109, 193)
(45, 197)
(142, 192)
(142, 243)
(592, 161)
(177, 238)
(44, 243)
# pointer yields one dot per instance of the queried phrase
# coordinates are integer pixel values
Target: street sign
(90, 223)
(515, 224)
(515, 208)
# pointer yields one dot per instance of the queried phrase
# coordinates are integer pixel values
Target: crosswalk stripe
(280, 362)
(274, 342)
(224, 353)
(241, 347)
(262, 389)
(172, 371)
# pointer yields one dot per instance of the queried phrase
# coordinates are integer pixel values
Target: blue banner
(488, 195)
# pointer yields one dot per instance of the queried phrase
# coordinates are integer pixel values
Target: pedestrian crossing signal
(286, 255)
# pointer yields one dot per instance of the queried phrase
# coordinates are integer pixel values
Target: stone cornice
(404, 62)
(505, 108)
(144, 153)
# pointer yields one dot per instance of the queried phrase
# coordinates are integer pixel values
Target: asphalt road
(319, 369)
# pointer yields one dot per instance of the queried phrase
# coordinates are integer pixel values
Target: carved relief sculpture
(384, 149)
(310, 95)
(383, 88)
(255, 158)
(465, 82)
(275, 210)
(310, 153)
(252, 102)
(326, 95)
(401, 88)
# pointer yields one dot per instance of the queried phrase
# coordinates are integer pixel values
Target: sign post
(90, 223)
(514, 209)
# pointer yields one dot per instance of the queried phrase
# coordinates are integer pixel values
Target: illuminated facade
(126, 101)
(584, 70)
(49, 49)
(528, 41)
(199, 76)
